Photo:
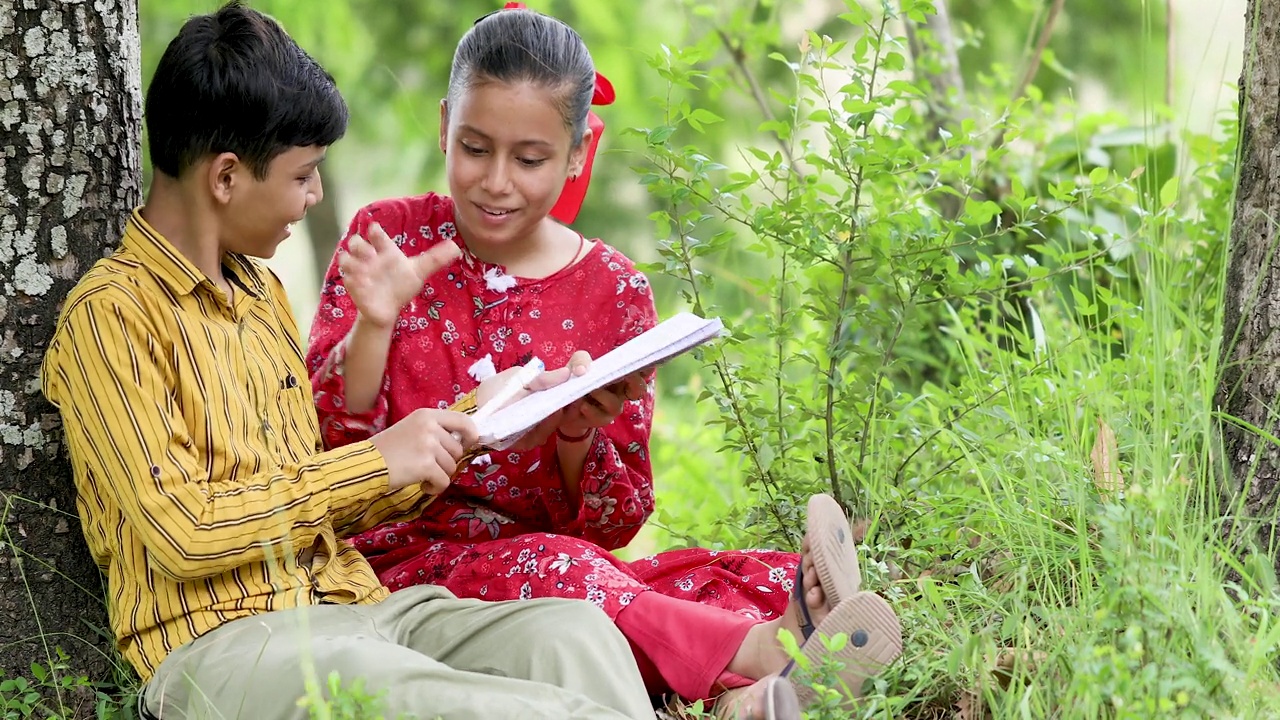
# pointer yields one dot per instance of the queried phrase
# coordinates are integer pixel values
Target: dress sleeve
(326, 356)
(617, 478)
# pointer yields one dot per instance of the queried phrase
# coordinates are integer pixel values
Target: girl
(540, 519)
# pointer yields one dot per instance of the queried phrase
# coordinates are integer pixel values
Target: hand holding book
(619, 370)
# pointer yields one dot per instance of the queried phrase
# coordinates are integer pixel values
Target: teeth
(495, 212)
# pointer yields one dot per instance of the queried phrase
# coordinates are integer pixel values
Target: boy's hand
(381, 280)
(422, 448)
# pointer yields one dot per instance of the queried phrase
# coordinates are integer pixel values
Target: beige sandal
(780, 701)
(875, 641)
(832, 549)
(833, 554)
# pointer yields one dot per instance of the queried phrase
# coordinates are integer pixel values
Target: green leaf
(766, 456)
(701, 117)
(660, 135)
(1169, 192)
(1098, 175)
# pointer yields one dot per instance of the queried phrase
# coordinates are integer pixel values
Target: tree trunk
(937, 63)
(324, 227)
(1249, 385)
(69, 172)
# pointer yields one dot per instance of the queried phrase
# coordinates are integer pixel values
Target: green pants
(432, 655)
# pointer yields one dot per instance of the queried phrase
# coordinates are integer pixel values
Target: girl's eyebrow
(521, 143)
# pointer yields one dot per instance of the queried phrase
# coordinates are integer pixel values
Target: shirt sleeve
(402, 504)
(617, 477)
(107, 373)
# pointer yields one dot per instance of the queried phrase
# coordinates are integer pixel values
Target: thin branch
(948, 83)
(1046, 33)
(740, 61)
(897, 475)
(1170, 58)
(1042, 43)
(782, 349)
(846, 252)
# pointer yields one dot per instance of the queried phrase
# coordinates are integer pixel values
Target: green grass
(1027, 584)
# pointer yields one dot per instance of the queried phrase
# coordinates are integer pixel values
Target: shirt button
(155, 471)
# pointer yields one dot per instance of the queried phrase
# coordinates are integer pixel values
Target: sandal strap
(806, 622)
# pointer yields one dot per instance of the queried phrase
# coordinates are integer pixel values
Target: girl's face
(507, 155)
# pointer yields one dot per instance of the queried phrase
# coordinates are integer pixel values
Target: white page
(678, 334)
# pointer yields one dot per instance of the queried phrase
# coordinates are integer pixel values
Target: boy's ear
(223, 172)
(444, 125)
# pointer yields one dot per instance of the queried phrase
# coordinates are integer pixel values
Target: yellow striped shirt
(201, 484)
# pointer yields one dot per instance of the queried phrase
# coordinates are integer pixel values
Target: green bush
(993, 337)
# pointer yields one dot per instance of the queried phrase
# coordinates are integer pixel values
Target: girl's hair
(517, 45)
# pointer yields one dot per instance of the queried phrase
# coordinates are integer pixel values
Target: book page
(673, 336)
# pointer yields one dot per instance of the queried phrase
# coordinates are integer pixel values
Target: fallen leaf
(1106, 461)
(970, 706)
(1010, 660)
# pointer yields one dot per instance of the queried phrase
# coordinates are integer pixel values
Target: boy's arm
(402, 504)
(106, 372)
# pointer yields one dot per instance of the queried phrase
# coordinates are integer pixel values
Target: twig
(846, 253)
(1046, 33)
(778, 381)
(961, 415)
(1042, 43)
(1170, 59)
(740, 61)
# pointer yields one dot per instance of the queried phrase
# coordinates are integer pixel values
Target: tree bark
(937, 63)
(70, 112)
(1249, 384)
(324, 227)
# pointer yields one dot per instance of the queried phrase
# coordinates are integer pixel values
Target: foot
(816, 602)
(772, 698)
(760, 653)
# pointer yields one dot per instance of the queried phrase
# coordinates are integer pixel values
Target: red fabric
(683, 647)
(575, 189)
(506, 529)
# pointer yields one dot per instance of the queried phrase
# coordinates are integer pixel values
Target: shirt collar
(175, 269)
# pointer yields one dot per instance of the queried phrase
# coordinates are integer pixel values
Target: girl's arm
(336, 330)
(607, 477)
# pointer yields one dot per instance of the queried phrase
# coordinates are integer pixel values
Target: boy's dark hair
(520, 45)
(234, 81)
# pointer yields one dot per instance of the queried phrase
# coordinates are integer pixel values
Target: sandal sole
(867, 619)
(831, 548)
(781, 701)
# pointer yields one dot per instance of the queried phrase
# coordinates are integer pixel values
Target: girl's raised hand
(381, 280)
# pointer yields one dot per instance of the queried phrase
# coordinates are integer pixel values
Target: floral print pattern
(505, 527)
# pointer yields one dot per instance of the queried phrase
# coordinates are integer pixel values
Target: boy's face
(257, 214)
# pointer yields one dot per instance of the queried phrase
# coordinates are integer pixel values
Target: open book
(678, 334)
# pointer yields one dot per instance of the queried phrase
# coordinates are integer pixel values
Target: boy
(195, 445)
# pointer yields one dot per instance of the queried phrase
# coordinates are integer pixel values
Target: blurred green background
(391, 60)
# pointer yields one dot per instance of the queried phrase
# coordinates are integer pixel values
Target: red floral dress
(505, 528)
